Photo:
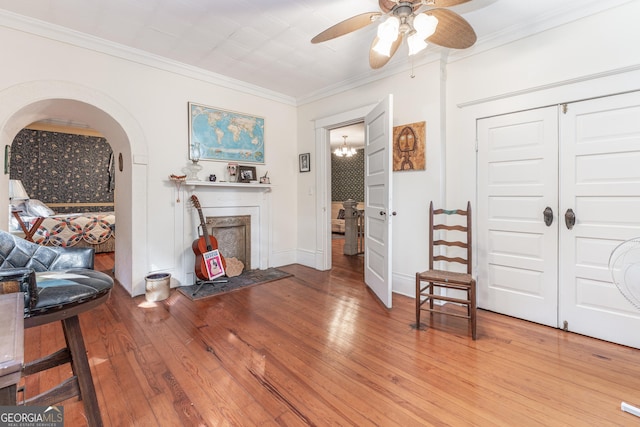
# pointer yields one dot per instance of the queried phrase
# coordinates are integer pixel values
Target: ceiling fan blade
(387, 5)
(453, 30)
(448, 3)
(345, 27)
(377, 60)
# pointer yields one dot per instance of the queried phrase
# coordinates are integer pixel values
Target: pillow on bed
(35, 207)
(19, 206)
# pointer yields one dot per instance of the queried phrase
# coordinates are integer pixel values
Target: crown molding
(61, 34)
(567, 11)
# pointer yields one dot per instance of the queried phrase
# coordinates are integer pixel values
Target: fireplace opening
(233, 234)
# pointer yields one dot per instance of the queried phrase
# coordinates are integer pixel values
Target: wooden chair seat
(431, 283)
(443, 276)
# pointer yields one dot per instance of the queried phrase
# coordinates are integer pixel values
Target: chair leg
(430, 290)
(417, 301)
(81, 369)
(473, 309)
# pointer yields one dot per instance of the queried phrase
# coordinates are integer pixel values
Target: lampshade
(416, 43)
(424, 27)
(17, 191)
(196, 152)
(387, 34)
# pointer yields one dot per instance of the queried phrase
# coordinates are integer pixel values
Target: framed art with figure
(305, 162)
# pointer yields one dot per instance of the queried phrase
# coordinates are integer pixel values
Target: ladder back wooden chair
(430, 283)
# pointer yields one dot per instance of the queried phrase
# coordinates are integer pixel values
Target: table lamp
(17, 191)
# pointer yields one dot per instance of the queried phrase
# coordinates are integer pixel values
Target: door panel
(517, 181)
(377, 200)
(600, 154)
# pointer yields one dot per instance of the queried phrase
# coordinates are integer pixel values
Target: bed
(94, 229)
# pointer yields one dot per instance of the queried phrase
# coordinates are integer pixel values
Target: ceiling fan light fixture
(404, 19)
(383, 47)
(388, 30)
(416, 43)
(425, 25)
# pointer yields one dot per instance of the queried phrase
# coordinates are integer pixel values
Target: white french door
(592, 151)
(377, 199)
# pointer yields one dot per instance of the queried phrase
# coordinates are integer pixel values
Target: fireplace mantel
(233, 185)
(223, 199)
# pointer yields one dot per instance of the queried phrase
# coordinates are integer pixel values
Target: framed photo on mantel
(247, 173)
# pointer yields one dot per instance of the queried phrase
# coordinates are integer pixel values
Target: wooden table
(11, 345)
(28, 231)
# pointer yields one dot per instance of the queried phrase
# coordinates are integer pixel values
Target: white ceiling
(267, 42)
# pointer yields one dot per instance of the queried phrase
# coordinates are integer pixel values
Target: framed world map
(225, 135)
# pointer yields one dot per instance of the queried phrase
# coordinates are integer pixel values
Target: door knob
(383, 213)
(548, 216)
(570, 218)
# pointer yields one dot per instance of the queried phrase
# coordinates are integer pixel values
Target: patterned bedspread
(71, 229)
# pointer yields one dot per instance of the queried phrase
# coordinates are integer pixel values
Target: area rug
(246, 279)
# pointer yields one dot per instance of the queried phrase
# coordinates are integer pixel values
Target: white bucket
(157, 286)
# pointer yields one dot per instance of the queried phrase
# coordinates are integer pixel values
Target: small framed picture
(305, 162)
(247, 173)
(7, 159)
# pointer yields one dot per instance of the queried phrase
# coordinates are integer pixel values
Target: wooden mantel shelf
(235, 185)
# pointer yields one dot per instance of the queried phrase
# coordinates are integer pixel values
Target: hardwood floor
(319, 349)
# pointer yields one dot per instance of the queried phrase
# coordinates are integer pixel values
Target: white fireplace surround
(233, 200)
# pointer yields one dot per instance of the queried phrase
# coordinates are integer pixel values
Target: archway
(26, 103)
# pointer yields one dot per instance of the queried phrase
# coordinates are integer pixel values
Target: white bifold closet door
(558, 190)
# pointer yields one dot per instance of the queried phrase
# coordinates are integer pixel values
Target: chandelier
(345, 150)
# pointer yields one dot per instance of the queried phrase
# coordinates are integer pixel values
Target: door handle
(548, 216)
(383, 213)
(570, 218)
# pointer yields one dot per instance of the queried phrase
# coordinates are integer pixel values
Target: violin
(203, 244)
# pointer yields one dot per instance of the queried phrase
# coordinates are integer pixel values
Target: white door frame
(323, 178)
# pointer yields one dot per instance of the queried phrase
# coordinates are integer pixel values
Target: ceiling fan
(418, 21)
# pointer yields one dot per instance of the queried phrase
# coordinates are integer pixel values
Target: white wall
(155, 104)
(591, 57)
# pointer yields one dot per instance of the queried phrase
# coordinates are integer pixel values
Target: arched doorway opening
(27, 103)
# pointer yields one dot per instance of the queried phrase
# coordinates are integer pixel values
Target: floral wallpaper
(63, 168)
(347, 177)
